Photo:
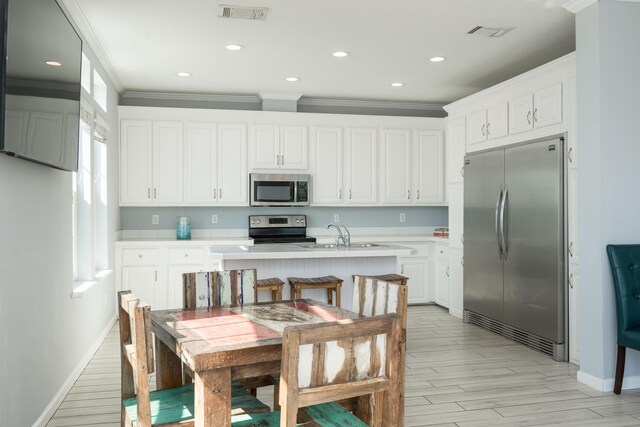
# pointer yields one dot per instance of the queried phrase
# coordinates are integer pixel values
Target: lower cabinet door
(174, 283)
(456, 270)
(574, 319)
(417, 270)
(146, 283)
(442, 285)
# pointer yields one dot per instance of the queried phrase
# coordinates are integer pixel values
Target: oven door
(272, 193)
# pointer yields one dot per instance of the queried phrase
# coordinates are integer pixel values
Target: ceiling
(146, 42)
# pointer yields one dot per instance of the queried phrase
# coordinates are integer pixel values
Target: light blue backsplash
(139, 218)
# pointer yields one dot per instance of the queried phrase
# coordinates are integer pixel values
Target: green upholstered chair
(625, 267)
(141, 406)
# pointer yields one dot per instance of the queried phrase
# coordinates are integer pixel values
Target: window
(89, 189)
(99, 90)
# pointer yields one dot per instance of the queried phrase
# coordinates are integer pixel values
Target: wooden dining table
(229, 343)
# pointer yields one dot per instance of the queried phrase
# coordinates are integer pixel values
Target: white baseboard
(606, 384)
(47, 414)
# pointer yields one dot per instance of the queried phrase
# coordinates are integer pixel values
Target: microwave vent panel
(243, 12)
(488, 31)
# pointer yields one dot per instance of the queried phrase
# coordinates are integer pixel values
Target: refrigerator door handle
(503, 227)
(498, 228)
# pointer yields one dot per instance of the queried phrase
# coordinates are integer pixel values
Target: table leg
(168, 367)
(213, 398)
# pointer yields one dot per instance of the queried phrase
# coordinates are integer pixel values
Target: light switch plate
(403, 217)
(214, 219)
(336, 217)
(155, 219)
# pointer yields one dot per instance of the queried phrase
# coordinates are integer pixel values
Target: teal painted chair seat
(177, 404)
(323, 415)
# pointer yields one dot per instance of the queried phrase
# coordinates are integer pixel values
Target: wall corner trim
(52, 407)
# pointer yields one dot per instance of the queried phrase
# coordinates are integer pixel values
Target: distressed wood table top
(213, 338)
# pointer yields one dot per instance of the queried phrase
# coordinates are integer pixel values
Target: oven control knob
(257, 221)
(297, 221)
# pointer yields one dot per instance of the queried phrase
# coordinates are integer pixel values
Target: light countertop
(298, 251)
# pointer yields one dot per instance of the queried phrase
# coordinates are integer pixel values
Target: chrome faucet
(345, 237)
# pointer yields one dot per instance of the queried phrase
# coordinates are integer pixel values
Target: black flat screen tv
(40, 69)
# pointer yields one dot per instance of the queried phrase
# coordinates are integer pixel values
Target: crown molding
(357, 103)
(252, 99)
(77, 16)
(278, 96)
(575, 6)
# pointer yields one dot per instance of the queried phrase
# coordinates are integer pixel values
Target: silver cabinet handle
(220, 193)
(488, 124)
(155, 193)
(282, 160)
(448, 272)
(571, 280)
(277, 160)
(528, 117)
(401, 268)
(349, 194)
(462, 171)
(215, 193)
(418, 197)
(569, 154)
(483, 134)
(462, 261)
(140, 256)
(148, 193)
(535, 115)
(156, 275)
(570, 248)
(408, 194)
(340, 194)
(186, 255)
(462, 239)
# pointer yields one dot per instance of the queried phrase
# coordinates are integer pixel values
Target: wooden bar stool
(393, 278)
(272, 284)
(330, 283)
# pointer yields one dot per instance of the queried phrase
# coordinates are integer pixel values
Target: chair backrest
(338, 360)
(216, 288)
(625, 267)
(136, 352)
(372, 297)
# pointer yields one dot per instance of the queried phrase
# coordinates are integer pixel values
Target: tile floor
(457, 375)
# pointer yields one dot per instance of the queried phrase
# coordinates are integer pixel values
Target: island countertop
(305, 250)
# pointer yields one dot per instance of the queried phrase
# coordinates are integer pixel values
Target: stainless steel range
(279, 229)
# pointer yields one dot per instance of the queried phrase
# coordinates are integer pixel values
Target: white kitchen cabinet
(456, 146)
(456, 283)
(428, 164)
(541, 108)
(361, 167)
(417, 269)
(572, 201)
(574, 316)
(147, 284)
(395, 153)
(151, 163)
(181, 260)
(279, 147)
(487, 124)
(216, 167)
(456, 215)
(327, 169)
(233, 177)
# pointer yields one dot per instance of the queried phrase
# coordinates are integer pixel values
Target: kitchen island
(308, 260)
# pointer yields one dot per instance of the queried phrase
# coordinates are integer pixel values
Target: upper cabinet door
(428, 158)
(167, 162)
(477, 127)
(327, 150)
(201, 163)
(265, 147)
(135, 162)
(521, 114)
(396, 165)
(456, 149)
(294, 147)
(547, 108)
(232, 165)
(497, 121)
(361, 166)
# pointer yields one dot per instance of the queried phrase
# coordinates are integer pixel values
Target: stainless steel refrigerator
(514, 243)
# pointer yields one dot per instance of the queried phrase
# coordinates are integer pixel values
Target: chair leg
(329, 296)
(338, 295)
(617, 387)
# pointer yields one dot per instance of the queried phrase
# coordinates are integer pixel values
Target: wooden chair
(330, 283)
(272, 284)
(327, 362)
(140, 406)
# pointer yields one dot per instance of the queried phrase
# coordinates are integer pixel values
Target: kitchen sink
(333, 246)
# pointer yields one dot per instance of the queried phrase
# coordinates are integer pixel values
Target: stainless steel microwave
(268, 189)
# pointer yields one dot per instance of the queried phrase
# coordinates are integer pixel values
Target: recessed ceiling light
(341, 54)
(396, 84)
(292, 79)
(233, 47)
(53, 63)
(437, 59)
(183, 74)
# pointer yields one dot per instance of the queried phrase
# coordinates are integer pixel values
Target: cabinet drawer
(140, 256)
(442, 254)
(186, 256)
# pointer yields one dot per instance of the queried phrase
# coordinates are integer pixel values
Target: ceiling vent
(488, 31)
(243, 12)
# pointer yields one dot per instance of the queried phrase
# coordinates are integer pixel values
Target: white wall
(45, 333)
(608, 66)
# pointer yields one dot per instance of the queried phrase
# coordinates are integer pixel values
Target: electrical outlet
(403, 217)
(336, 217)
(214, 219)
(155, 219)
